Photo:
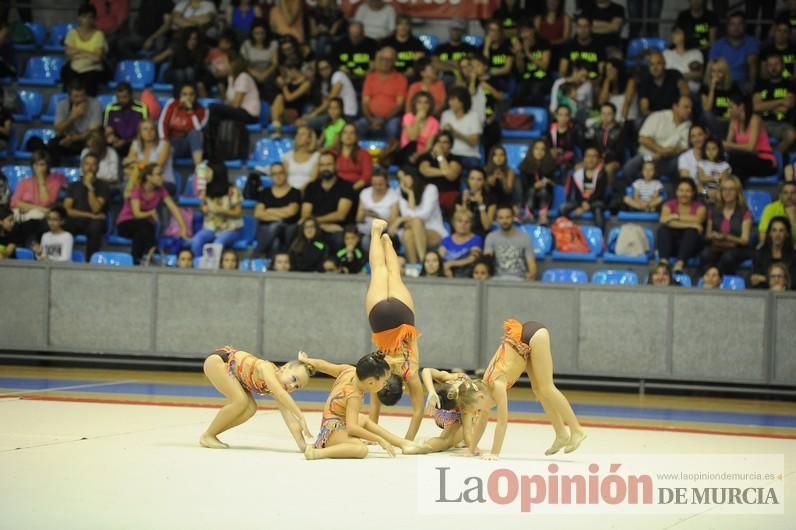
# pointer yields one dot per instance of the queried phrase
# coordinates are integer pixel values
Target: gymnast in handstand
(391, 313)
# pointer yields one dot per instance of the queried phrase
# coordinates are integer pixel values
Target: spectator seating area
(38, 90)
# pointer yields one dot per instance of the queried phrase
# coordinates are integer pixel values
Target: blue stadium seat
(639, 216)
(31, 103)
(248, 232)
(266, 152)
(160, 83)
(429, 41)
(733, 282)
(757, 201)
(42, 71)
(72, 174)
(682, 278)
(515, 154)
(25, 254)
(78, 256)
(105, 99)
(15, 173)
(541, 237)
(611, 257)
(564, 276)
(255, 265)
(55, 41)
(729, 281)
(39, 32)
(559, 196)
(162, 100)
(45, 134)
(539, 123)
(49, 115)
(638, 46)
(594, 237)
(116, 259)
(112, 236)
(140, 74)
(188, 198)
(614, 277)
(474, 40)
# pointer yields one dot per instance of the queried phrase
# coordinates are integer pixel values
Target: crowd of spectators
(680, 132)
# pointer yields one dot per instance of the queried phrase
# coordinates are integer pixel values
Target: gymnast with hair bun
(344, 431)
(456, 404)
(238, 374)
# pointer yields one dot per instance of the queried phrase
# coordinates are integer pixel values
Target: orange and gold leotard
(334, 410)
(395, 335)
(242, 366)
(518, 337)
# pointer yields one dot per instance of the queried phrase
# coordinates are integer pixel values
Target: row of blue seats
(557, 275)
(622, 277)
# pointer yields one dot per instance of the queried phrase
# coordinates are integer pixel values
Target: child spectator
(185, 259)
(500, 178)
(482, 269)
(350, 259)
(308, 250)
(711, 168)
(432, 265)
(56, 244)
(646, 190)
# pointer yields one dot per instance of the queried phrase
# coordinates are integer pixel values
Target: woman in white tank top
(301, 162)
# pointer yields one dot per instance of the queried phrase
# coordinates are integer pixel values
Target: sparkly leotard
(243, 367)
(335, 408)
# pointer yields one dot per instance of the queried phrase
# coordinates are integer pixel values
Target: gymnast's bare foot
(415, 448)
(207, 440)
(575, 440)
(558, 444)
(309, 453)
(379, 226)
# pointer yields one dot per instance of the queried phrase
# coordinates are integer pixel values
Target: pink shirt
(725, 223)
(28, 191)
(431, 129)
(674, 206)
(149, 201)
(762, 147)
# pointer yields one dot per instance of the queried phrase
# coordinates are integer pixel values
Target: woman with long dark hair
(747, 140)
(308, 250)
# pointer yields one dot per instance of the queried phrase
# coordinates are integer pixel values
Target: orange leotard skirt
(513, 335)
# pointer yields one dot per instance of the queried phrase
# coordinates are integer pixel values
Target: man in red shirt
(382, 98)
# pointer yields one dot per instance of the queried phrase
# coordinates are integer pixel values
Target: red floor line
(600, 425)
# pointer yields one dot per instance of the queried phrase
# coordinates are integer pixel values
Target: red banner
(480, 9)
